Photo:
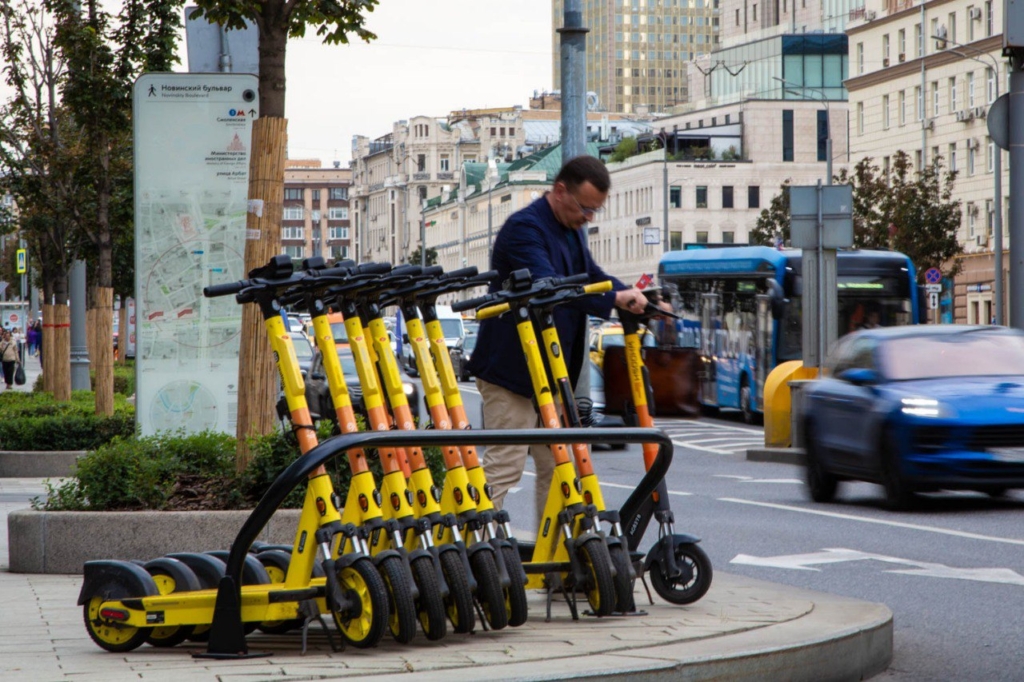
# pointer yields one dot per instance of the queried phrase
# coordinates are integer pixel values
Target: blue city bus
(741, 308)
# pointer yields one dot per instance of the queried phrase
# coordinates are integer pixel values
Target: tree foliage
(907, 211)
(415, 257)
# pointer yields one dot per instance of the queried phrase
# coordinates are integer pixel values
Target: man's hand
(632, 300)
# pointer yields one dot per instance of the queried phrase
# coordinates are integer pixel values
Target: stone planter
(60, 542)
(30, 464)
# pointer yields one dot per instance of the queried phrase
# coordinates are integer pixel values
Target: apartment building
(922, 78)
(637, 50)
(423, 158)
(316, 211)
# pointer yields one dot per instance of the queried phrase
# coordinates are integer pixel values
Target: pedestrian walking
(8, 357)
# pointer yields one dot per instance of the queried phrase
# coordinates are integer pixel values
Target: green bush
(35, 421)
(193, 472)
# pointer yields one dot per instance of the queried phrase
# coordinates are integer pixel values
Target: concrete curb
(38, 464)
(778, 455)
(61, 542)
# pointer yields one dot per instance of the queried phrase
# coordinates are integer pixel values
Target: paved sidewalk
(743, 629)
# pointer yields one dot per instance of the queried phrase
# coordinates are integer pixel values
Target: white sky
(430, 57)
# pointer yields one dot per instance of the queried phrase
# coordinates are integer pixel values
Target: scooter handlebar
(469, 304)
(462, 273)
(226, 289)
(598, 287)
(491, 311)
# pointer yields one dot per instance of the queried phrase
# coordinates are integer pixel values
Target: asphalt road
(952, 571)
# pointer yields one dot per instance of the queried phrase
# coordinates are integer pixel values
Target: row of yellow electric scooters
(411, 553)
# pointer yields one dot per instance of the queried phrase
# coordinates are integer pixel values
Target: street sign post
(22, 261)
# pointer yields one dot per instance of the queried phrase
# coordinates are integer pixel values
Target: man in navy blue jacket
(545, 238)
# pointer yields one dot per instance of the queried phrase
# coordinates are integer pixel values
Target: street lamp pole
(997, 167)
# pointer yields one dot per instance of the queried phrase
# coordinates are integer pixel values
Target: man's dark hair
(585, 169)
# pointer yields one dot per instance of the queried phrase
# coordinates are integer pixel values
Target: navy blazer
(532, 238)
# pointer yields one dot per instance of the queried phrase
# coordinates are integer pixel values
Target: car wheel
(899, 495)
(821, 485)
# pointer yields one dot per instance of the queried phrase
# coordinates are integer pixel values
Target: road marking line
(881, 522)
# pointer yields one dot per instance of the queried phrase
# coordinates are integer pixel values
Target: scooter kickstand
(643, 579)
(311, 612)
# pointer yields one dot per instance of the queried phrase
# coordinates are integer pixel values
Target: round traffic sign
(933, 276)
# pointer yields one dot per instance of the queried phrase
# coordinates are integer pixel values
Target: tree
(415, 258)
(104, 56)
(41, 151)
(772, 226)
(623, 150)
(277, 20)
(907, 211)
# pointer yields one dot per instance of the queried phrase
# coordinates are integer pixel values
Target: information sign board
(192, 138)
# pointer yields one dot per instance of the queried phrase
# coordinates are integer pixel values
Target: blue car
(918, 409)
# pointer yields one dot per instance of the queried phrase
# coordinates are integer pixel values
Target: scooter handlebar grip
(492, 311)
(469, 304)
(598, 287)
(374, 268)
(226, 289)
(471, 271)
(581, 278)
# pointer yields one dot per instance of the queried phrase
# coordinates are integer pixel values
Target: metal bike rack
(227, 636)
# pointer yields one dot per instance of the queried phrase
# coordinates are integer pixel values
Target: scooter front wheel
(459, 604)
(488, 589)
(430, 605)
(402, 611)
(624, 601)
(515, 595)
(597, 564)
(364, 624)
(693, 581)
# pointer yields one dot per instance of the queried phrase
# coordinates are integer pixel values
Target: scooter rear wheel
(364, 624)
(600, 587)
(488, 589)
(459, 604)
(515, 595)
(694, 581)
(171, 575)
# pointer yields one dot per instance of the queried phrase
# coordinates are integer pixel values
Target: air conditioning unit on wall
(976, 13)
(981, 240)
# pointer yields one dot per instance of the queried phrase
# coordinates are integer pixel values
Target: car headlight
(408, 388)
(925, 407)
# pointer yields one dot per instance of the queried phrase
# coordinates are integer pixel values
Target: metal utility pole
(79, 348)
(1013, 47)
(573, 45)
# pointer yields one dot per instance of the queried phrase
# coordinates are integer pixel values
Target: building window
(445, 164)
(337, 213)
(316, 195)
(675, 241)
(292, 233)
(511, 132)
(970, 158)
(971, 223)
(702, 237)
(860, 118)
(990, 217)
(292, 213)
(935, 98)
(989, 19)
(338, 194)
(952, 95)
(885, 50)
(753, 197)
(737, 17)
(951, 28)
(919, 102)
(292, 194)
(728, 237)
(952, 156)
(903, 107)
(337, 233)
(970, 24)
(918, 40)
(421, 163)
(787, 135)
(675, 197)
(421, 192)
(901, 43)
(860, 58)
(822, 135)
(990, 85)
(885, 112)
(970, 89)
(702, 196)
(727, 196)
(917, 158)
(990, 160)
(294, 252)
(886, 161)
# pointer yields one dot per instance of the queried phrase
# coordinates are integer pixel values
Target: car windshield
(348, 366)
(959, 354)
(338, 332)
(452, 328)
(469, 344)
(303, 351)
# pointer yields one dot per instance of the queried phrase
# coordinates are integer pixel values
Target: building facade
(637, 50)
(922, 79)
(316, 218)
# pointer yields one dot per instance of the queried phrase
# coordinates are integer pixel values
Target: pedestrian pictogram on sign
(22, 262)
(933, 276)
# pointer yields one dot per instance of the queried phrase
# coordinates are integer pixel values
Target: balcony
(398, 180)
(447, 175)
(420, 177)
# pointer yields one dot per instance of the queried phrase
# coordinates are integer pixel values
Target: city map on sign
(192, 137)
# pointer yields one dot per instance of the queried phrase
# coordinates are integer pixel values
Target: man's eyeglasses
(588, 213)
